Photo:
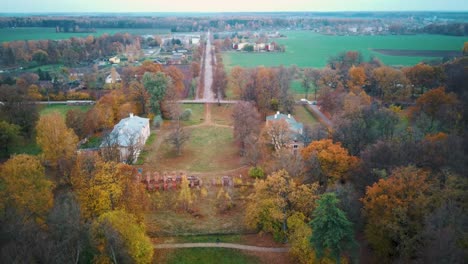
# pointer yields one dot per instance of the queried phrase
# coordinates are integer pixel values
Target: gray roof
(293, 124)
(128, 130)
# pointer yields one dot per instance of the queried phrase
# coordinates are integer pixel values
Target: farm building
(129, 137)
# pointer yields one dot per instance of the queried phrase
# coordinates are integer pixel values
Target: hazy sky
(227, 5)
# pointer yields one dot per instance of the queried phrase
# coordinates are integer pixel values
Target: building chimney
(131, 115)
(289, 115)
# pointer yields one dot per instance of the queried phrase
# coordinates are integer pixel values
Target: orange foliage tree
(437, 105)
(334, 161)
(395, 209)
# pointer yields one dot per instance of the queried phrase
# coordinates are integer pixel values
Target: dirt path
(222, 245)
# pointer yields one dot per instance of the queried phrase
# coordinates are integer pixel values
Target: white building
(129, 136)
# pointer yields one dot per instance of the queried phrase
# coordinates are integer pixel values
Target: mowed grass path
(39, 33)
(308, 49)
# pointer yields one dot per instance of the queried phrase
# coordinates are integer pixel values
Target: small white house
(117, 78)
(130, 136)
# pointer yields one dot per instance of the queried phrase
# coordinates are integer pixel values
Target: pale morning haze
(23, 6)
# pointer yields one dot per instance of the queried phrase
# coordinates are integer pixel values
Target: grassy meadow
(62, 109)
(308, 49)
(38, 33)
(204, 256)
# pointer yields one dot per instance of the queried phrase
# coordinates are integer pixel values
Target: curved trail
(221, 245)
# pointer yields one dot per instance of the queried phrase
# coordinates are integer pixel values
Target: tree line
(69, 51)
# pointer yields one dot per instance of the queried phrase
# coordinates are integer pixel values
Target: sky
(125, 6)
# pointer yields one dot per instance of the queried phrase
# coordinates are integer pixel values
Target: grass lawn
(204, 256)
(209, 149)
(39, 33)
(29, 147)
(198, 114)
(62, 109)
(144, 152)
(222, 115)
(93, 142)
(308, 49)
(301, 114)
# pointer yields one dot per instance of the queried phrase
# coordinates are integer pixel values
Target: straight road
(207, 91)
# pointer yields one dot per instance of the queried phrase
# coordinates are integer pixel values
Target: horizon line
(221, 12)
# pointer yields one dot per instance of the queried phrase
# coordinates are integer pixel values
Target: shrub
(186, 115)
(256, 172)
(157, 121)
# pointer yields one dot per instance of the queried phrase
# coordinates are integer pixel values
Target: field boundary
(221, 245)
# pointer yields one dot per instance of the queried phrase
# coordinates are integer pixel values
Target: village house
(129, 136)
(114, 60)
(116, 79)
(295, 128)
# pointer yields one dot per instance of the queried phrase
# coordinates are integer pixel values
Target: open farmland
(38, 33)
(308, 49)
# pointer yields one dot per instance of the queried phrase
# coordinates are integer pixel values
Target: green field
(208, 255)
(62, 109)
(308, 49)
(37, 33)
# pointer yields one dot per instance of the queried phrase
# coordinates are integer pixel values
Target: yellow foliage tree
(104, 186)
(118, 237)
(57, 141)
(186, 196)
(24, 186)
(275, 199)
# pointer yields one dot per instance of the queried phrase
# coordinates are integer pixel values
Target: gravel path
(207, 91)
(222, 245)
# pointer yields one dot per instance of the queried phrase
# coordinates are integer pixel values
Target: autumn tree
(195, 69)
(365, 125)
(357, 78)
(178, 137)
(438, 106)
(177, 79)
(237, 79)
(75, 119)
(307, 82)
(423, 76)
(104, 186)
(391, 84)
(18, 109)
(275, 199)
(332, 231)
(185, 197)
(277, 134)
(299, 240)
(156, 84)
(57, 141)
(246, 123)
(119, 238)
(25, 188)
(220, 81)
(9, 136)
(395, 209)
(334, 161)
